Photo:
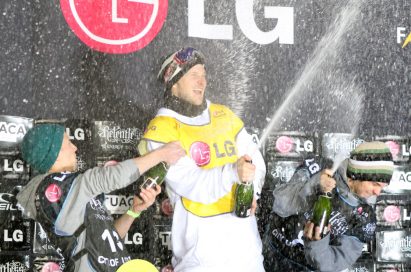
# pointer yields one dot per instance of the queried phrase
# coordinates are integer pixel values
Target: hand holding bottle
(312, 232)
(327, 182)
(245, 169)
(244, 194)
(145, 199)
(173, 151)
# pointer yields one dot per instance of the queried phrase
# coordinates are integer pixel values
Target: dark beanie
(176, 65)
(41, 146)
(371, 161)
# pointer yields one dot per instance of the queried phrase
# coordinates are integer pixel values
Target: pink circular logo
(394, 148)
(167, 268)
(115, 26)
(166, 207)
(50, 267)
(284, 144)
(392, 214)
(53, 193)
(200, 153)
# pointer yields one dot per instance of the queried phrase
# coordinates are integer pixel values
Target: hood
(26, 197)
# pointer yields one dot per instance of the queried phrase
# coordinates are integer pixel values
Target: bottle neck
(326, 194)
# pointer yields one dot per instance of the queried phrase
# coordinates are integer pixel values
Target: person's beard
(182, 106)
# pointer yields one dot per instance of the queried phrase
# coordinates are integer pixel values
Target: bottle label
(243, 211)
(149, 183)
(325, 231)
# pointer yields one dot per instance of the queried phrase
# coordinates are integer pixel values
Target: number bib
(106, 251)
(103, 246)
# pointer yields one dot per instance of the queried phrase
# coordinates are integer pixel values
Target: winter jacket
(352, 222)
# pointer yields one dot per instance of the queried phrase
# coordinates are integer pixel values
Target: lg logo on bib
(115, 26)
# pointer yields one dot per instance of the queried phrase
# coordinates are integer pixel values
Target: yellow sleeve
(162, 129)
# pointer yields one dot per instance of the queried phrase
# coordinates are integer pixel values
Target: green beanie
(41, 146)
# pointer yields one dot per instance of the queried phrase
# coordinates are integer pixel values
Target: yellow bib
(209, 145)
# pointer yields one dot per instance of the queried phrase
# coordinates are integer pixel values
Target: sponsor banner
(79, 132)
(12, 131)
(110, 138)
(393, 211)
(140, 238)
(400, 181)
(399, 146)
(162, 248)
(393, 246)
(362, 265)
(338, 145)
(392, 267)
(291, 145)
(15, 234)
(48, 264)
(13, 169)
(279, 172)
(8, 205)
(255, 134)
(163, 207)
(14, 262)
(118, 203)
(115, 27)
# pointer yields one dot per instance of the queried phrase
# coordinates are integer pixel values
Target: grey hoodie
(85, 187)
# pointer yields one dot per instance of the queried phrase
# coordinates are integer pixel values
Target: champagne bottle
(155, 175)
(244, 194)
(321, 212)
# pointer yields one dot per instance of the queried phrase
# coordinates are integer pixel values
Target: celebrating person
(293, 243)
(206, 235)
(69, 204)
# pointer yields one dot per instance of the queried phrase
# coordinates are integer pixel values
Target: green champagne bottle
(155, 175)
(244, 194)
(321, 212)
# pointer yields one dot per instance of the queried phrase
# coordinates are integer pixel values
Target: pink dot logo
(50, 267)
(284, 144)
(53, 193)
(394, 148)
(392, 214)
(115, 26)
(167, 268)
(166, 207)
(200, 153)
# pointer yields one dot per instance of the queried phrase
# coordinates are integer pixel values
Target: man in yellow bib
(206, 235)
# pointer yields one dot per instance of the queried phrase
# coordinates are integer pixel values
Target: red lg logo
(115, 26)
